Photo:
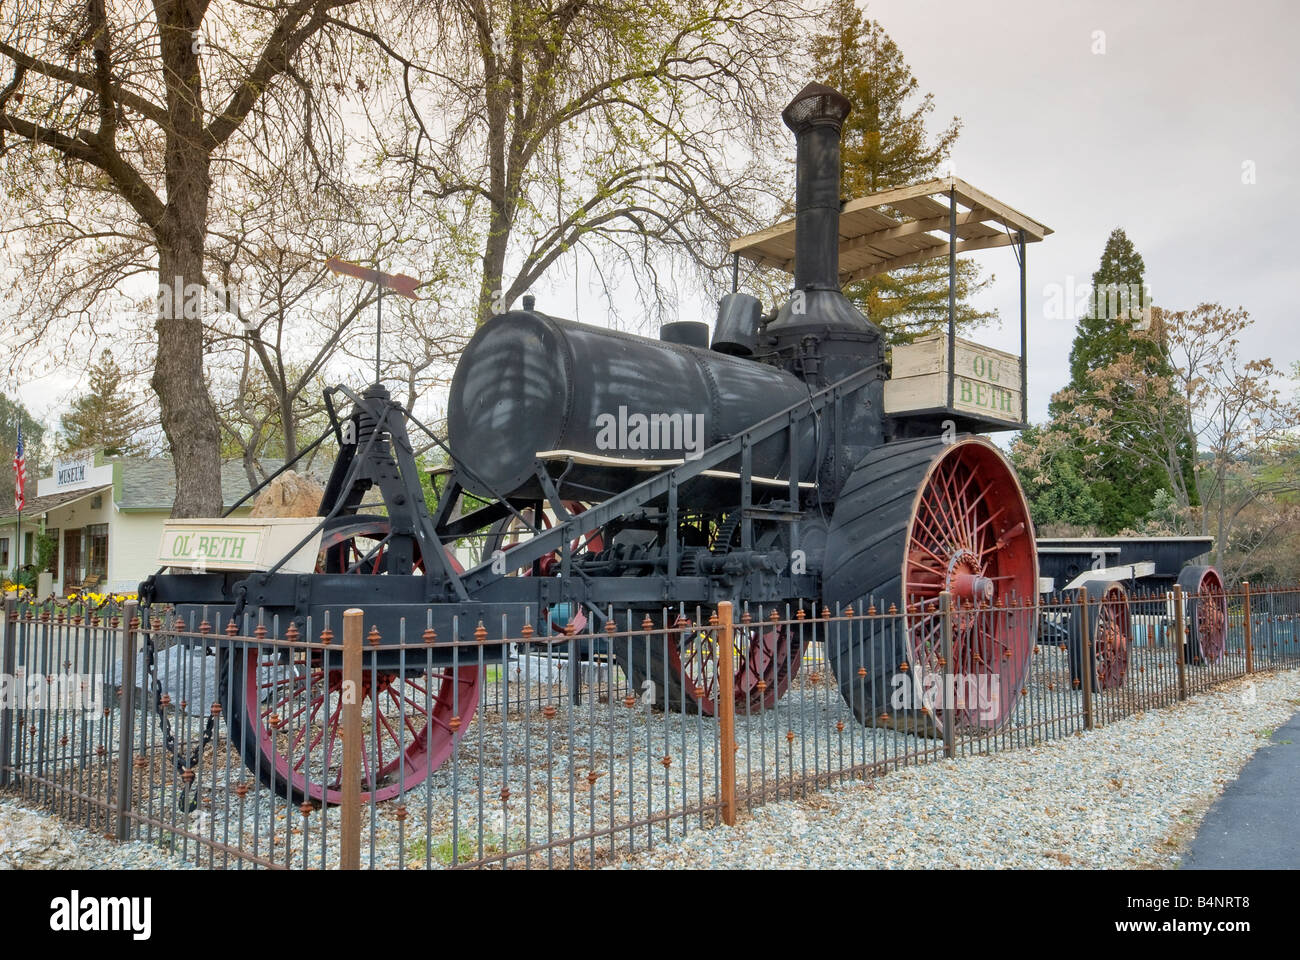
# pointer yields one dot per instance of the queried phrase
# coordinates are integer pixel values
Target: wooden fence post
(1086, 667)
(350, 782)
(1250, 640)
(126, 719)
(727, 710)
(1180, 642)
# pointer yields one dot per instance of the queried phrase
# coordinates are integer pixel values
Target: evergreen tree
(1114, 309)
(1121, 484)
(1052, 475)
(103, 418)
(886, 144)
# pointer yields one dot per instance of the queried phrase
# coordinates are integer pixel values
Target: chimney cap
(815, 104)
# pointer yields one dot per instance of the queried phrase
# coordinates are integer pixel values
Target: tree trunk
(288, 425)
(188, 416)
(494, 261)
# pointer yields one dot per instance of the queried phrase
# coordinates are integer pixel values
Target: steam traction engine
(772, 460)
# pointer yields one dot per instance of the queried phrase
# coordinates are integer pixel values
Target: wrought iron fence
(239, 744)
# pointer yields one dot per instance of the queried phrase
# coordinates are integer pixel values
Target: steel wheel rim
(762, 656)
(967, 535)
(1211, 616)
(344, 539)
(1111, 638)
(298, 729)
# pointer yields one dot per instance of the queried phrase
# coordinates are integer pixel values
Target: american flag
(20, 473)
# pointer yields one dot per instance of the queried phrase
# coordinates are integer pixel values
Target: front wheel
(286, 723)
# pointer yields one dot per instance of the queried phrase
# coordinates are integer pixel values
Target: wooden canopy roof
(901, 226)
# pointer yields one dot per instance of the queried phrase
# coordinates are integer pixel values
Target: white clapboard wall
(987, 382)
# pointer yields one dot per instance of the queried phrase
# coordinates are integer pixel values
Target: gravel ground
(37, 841)
(602, 764)
(1128, 795)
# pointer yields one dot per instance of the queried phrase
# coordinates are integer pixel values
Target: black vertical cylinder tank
(529, 383)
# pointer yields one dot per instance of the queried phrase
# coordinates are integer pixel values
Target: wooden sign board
(986, 385)
(242, 543)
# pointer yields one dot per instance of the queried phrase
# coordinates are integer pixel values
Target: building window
(53, 568)
(97, 542)
(29, 549)
(4, 553)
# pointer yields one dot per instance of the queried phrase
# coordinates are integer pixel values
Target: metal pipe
(952, 290)
(727, 712)
(350, 778)
(1024, 337)
(816, 116)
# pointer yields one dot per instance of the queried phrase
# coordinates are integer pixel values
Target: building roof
(150, 483)
(902, 226)
(38, 505)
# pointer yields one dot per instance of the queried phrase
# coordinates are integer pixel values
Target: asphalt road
(1253, 825)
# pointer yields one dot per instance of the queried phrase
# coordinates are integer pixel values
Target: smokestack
(816, 115)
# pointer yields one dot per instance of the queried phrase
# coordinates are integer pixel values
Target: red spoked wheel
(1207, 613)
(288, 723)
(682, 673)
(1110, 638)
(511, 531)
(1110, 631)
(359, 544)
(967, 537)
(287, 712)
(765, 658)
(918, 518)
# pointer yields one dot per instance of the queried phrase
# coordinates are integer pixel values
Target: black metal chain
(187, 796)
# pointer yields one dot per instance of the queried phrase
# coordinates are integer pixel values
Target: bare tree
(1229, 410)
(119, 127)
(626, 127)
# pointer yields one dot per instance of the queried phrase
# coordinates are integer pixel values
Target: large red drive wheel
(915, 519)
(286, 710)
(682, 673)
(1207, 613)
(1110, 631)
(287, 723)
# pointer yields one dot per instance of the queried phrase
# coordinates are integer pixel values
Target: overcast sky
(1150, 135)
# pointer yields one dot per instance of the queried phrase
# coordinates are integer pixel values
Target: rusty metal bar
(1180, 642)
(727, 711)
(1085, 658)
(126, 721)
(350, 783)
